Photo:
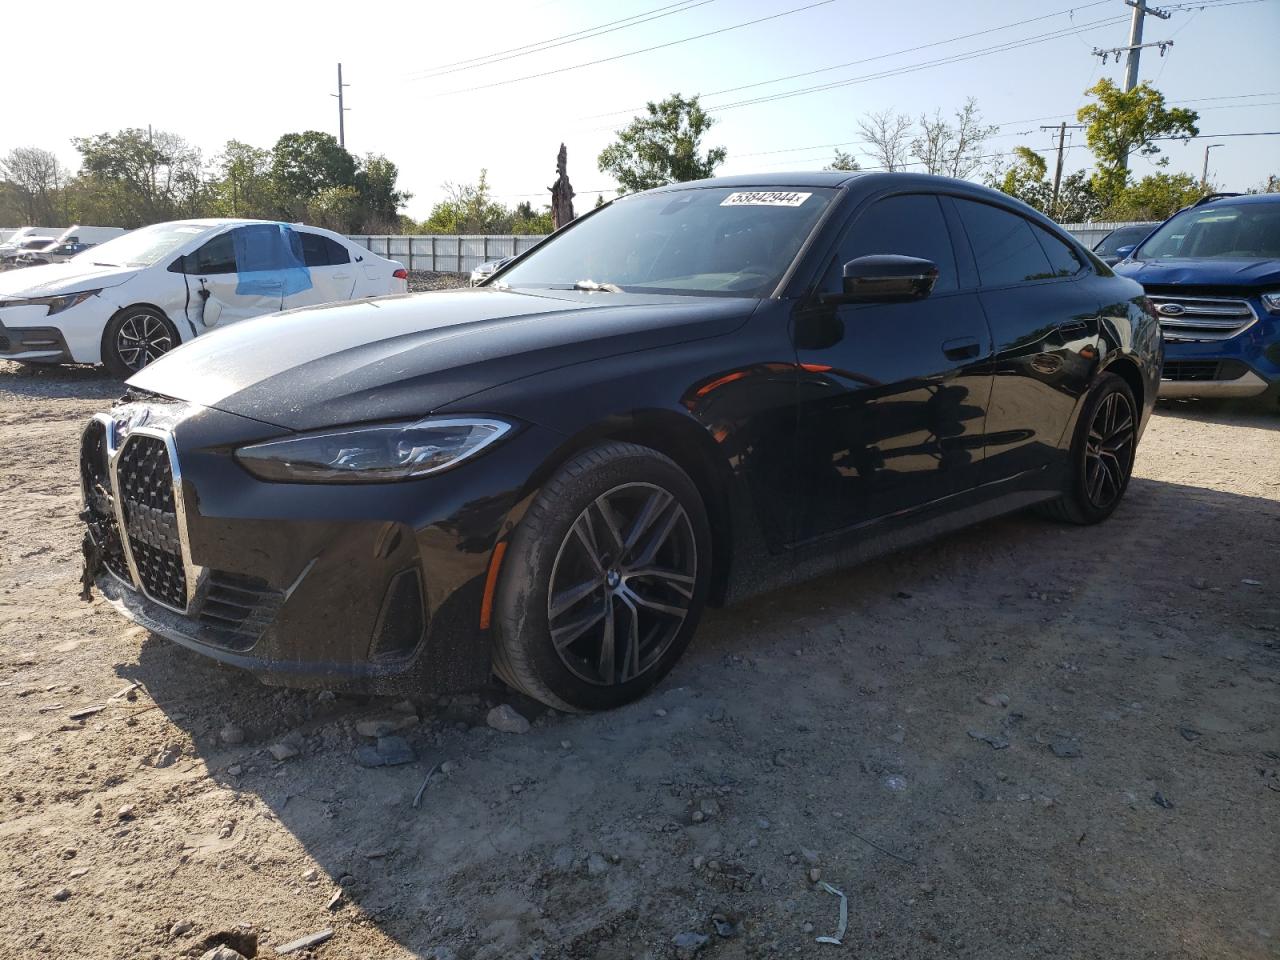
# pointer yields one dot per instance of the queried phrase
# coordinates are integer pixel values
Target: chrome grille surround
(1202, 318)
(150, 529)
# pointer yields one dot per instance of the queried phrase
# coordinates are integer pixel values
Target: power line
(882, 56)
(632, 53)
(1013, 123)
(911, 68)
(563, 40)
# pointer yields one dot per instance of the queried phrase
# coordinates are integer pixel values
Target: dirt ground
(1123, 800)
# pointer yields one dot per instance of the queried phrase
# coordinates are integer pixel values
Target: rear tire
(135, 337)
(604, 581)
(1102, 454)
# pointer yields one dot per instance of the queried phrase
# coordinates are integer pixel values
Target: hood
(404, 356)
(1202, 273)
(56, 278)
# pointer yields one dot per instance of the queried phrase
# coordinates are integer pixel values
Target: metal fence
(1090, 233)
(445, 253)
(453, 253)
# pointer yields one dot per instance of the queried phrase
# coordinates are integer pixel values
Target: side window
(320, 251)
(1003, 244)
(1064, 260)
(215, 256)
(911, 225)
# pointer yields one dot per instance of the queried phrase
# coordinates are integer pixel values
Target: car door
(233, 276)
(1044, 319)
(892, 396)
(332, 272)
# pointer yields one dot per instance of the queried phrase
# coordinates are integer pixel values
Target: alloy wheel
(142, 339)
(1108, 450)
(622, 583)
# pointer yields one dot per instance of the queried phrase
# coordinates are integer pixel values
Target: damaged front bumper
(343, 587)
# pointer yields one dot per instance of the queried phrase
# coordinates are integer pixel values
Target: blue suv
(1212, 273)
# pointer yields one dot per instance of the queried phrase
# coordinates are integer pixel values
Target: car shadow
(1245, 413)
(592, 835)
(77, 381)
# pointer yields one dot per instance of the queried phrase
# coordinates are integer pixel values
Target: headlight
(375, 454)
(55, 304)
(1272, 301)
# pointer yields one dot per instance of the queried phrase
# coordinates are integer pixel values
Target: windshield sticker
(761, 199)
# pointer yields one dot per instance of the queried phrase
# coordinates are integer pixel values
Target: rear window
(1004, 246)
(320, 251)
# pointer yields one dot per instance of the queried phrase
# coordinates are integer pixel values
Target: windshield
(1116, 239)
(142, 247)
(1240, 231)
(709, 241)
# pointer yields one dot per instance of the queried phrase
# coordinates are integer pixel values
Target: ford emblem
(1170, 309)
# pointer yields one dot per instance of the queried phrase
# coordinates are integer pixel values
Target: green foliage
(1155, 197)
(137, 176)
(31, 178)
(662, 147)
(468, 208)
(1119, 124)
(244, 187)
(380, 201)
(1027, 179)
(525, 220)
(304, 164)
(843, 161)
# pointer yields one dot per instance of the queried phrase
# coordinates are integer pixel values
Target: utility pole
(342, 110)
(1134, 50)
(1140, 11)
(1204, 175)
(1057, 173)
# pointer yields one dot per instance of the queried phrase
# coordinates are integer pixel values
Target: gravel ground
(1021, 741)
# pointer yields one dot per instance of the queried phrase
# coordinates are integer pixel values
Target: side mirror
(886, 278)
(1122, 253)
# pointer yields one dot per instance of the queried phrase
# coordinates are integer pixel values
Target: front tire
(135, 337)
(604, 581)
(1102, 455)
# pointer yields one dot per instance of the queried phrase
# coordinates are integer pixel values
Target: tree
(1156, 197)
(244, 187)
(1025, 179)
(1120, 123)
(468, 208)
(1077, 200)
(526, 220)
(562, 191)
(34, 180)
(380, 200)
(303, 164)
(888, 134)
(843, 161)
(336, 208)
(952, 150)
(663, 147)
(138, 176)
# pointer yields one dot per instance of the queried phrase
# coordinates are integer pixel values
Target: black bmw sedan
(687, 396)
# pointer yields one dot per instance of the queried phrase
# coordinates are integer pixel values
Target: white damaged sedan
(126, 302)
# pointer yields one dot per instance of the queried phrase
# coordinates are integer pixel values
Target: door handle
(1073, 327)
(962, 348)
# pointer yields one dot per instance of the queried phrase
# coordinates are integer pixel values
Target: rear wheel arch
(1127, 370)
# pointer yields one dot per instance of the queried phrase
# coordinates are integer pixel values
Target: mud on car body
(685, 397)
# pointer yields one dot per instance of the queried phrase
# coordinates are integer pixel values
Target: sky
(253, 71)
